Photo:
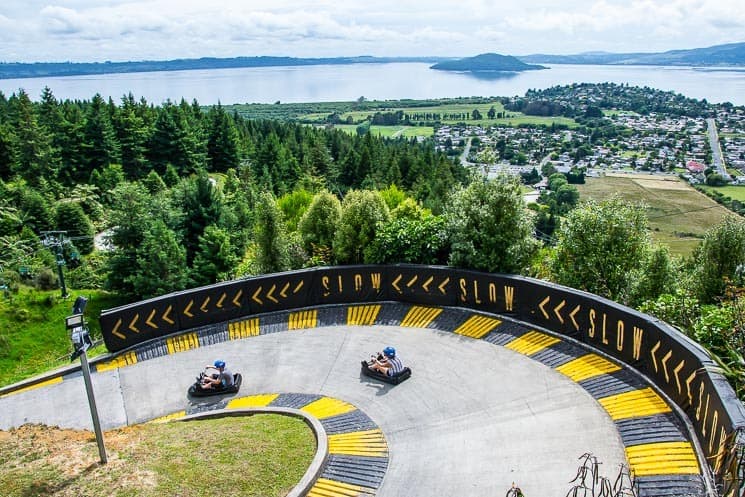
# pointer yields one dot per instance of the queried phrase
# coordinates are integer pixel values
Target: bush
(46, 280)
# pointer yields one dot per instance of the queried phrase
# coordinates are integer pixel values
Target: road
(716, 149)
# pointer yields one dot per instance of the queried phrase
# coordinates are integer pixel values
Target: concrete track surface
(473, 418)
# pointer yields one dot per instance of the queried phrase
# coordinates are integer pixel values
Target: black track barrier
(679, 367)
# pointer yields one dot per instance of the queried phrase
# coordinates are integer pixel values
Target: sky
(124, 30)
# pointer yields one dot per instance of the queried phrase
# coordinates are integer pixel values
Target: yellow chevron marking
(532, 342)
(411, 282)
(270, 294)
(133, 323)
(203, 307)
(166, 315)
(255, 296)
(395, 283)
(326, 407)
(477, 326)
(149, 320)
(332, 488)
(571, 316)
(261, 400)
(303, 319)
(663, 458)
(420, 317)
(653, 352)
(677, 374)
(182, 343)
(298, 287)
(587, 366)
(117, 362)
(426, 284)
(115, 331)
(51, 381)
(634, 404)
(688, 387)
(168, 417)
(369, 443)
(236, 299)
(187, 311)
(243, 329)
(442, 285)
(283, 292)
(542, 304)
(221, 300)
(664, 365)
(362, 314)
(558, 308)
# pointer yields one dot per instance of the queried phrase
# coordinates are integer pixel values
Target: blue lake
(373, 81)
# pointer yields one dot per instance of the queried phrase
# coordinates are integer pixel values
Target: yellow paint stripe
(262, 400)
(532, 342)
(477, 326)
(370, 443)
(45, 383)
(633, 404)
(303, 319)
(420, 317)
(362, 314)
(243, 329)
(587, 366)
(118, 362)
(182, 343)
(663, 458)
(325, 407)
(332, 488)
(169, 417)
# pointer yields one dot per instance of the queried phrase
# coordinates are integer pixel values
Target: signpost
(81, 341)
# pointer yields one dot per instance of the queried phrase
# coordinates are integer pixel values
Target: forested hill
(40, 69)
(491, 62)
(732, 54)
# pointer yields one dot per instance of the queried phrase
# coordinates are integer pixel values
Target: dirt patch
(662, 184)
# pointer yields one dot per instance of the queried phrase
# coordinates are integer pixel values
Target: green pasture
(678, 214)
(733, 192)
(390, 131)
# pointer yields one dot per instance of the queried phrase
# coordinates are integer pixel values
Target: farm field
(678, 214)
(390, 131)
(733, 192)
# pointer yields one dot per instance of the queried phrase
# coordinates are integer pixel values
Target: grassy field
(33, 338)
(678, 214)
(390, 131)
(733, 192)
(261, 456)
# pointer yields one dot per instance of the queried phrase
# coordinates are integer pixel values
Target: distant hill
(488, 62)
(732, 54)
(44, 69)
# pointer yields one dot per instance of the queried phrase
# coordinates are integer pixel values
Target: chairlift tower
(55, 240)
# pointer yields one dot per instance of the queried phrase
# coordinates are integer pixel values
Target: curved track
(474, 417)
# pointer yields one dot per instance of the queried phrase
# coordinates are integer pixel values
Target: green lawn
(733, 192)
(678, 214)
(390, 131)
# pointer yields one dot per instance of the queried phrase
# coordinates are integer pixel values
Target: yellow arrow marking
(677, 372)
(688, 386)
(133, 323)
(188, 307)
(222, 299)
(204, 304)
(298, 287)
(256, 298)
(571, 315)
(426, 283)
(558, 308)
(540, 306)
(237, 296)
(442, 285)
(395, 283)
(270, 294)
(412, 281)
(654, 359)
(664, 365)
(166, 316)
(149, 320)
(115, 331)
(283, 293)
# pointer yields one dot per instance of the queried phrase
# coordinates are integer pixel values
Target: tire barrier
(675, 364)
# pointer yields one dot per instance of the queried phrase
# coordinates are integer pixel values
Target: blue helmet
(219, 364)
(389, 352)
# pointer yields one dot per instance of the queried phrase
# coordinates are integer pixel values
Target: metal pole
(92, 404)
(63, 287)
